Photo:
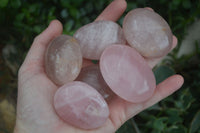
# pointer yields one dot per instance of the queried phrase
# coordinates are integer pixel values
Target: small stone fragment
(92, 76)
(63, 59)
(147, 32)
(96, 36)
(127, 73)
(80, 105)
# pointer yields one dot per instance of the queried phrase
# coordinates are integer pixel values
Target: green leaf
(126, 128)
(64, 13)
(159, 123)
(77, 2)
(131, 5)
(19, 17)
(174, 116)
(177, 129)
(185, 101)
(163, 72)
(74, 12)
(3, 3)
(95, 61)
(89, 7)
(65, 3)
(37, 29)
(16, 3)
(69, 25)
(186, 4)
(176, 2)
(195, 124)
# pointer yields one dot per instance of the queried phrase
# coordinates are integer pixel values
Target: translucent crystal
(147, 32)
(127, 74)
(81, 105)
(63, 59)
(96, 36)
(92, 76)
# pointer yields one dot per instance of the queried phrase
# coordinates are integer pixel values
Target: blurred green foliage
(22, 20)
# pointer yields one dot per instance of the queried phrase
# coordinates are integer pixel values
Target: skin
(35, 110)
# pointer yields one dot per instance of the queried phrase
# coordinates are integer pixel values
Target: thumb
(34, 60)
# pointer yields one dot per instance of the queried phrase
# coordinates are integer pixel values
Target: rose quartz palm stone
(147, 32)
(96, 36)
(127, 73)
(92, 76)
(80, 105)
(63, 59)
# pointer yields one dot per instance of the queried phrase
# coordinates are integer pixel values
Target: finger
(113, 11)
(174, 43)
(121, 110)
(153, 62)
(149, 8)
(41, 42)
(163, 90)
(35, 56)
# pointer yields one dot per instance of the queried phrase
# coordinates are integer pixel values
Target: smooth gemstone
(92, 76)
(80, 105)
(96, 36)
(127, 73)
(63, 59)
(147, 32)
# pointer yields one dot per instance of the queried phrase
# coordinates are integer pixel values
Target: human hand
(35, 111)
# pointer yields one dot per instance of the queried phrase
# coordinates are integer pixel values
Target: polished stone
(81, 105)
(63, 59)
(96, 36)
(127, 73)
(92, 76)
(147, 32)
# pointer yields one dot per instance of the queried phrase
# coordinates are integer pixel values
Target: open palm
(35, 111)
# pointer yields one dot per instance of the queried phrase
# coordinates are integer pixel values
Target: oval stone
(63, 59)
(147, 32)
(96, 36)
(127, 73)
(80, 105)
(92, 76)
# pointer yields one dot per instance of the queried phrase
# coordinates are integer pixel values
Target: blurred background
(22, 20)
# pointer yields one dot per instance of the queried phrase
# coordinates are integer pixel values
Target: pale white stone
(95, 37)
(147, 32)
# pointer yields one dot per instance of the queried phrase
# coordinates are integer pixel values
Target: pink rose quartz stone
(92, 76)
(147, 32)
(96, 36)
(63, 59)
(81, 105)
(127, 73)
